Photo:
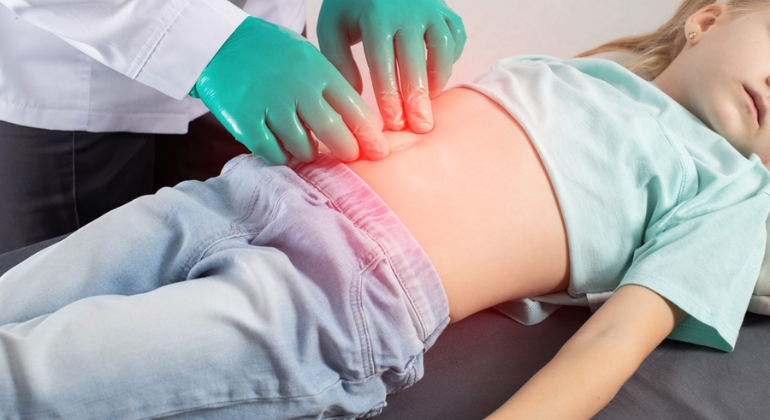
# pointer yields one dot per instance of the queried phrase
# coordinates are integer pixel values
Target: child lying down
(313, 290)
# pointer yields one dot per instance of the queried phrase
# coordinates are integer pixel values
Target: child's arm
(592, 366)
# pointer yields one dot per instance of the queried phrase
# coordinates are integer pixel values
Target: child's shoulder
(588, 80)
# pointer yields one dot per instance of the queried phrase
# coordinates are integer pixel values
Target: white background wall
(561, 28)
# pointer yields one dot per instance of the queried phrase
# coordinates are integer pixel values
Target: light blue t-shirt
(648, 193)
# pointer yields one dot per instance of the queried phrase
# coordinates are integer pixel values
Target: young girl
(312, 291)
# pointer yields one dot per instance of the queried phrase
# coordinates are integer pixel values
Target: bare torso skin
(475, 195)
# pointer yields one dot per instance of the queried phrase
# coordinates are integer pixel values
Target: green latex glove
(395, 34)
(268, 85)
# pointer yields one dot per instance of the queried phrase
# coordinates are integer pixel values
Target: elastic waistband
(358, 202)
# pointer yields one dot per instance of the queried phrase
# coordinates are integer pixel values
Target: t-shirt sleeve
(705, 258)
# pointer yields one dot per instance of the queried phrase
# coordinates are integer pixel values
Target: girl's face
(723, 76)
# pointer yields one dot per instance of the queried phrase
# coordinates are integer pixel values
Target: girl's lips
(759, 106)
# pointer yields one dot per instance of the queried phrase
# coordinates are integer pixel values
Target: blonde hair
(656, 50)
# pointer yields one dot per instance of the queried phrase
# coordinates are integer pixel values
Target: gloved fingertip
(374, 144)
(378, 150)
(378, 155)
(344, 158)
(392, 112)
(397, 124)
(422, 126)
(420, 114)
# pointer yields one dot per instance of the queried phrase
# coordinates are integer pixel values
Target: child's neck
(669, 82)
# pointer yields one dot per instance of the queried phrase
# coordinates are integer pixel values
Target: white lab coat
(116, 65)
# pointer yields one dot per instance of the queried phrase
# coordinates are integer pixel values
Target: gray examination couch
(478, 363)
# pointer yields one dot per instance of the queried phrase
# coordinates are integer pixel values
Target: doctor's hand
(395, 34)
(268, 86)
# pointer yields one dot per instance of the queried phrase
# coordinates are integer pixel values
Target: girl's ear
(700, 22)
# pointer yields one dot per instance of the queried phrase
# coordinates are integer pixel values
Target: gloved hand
(394, 33)
(268, 85)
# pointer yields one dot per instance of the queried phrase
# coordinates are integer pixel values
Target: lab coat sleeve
(164, 44)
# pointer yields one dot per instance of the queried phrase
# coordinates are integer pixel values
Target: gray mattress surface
(479, 362)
